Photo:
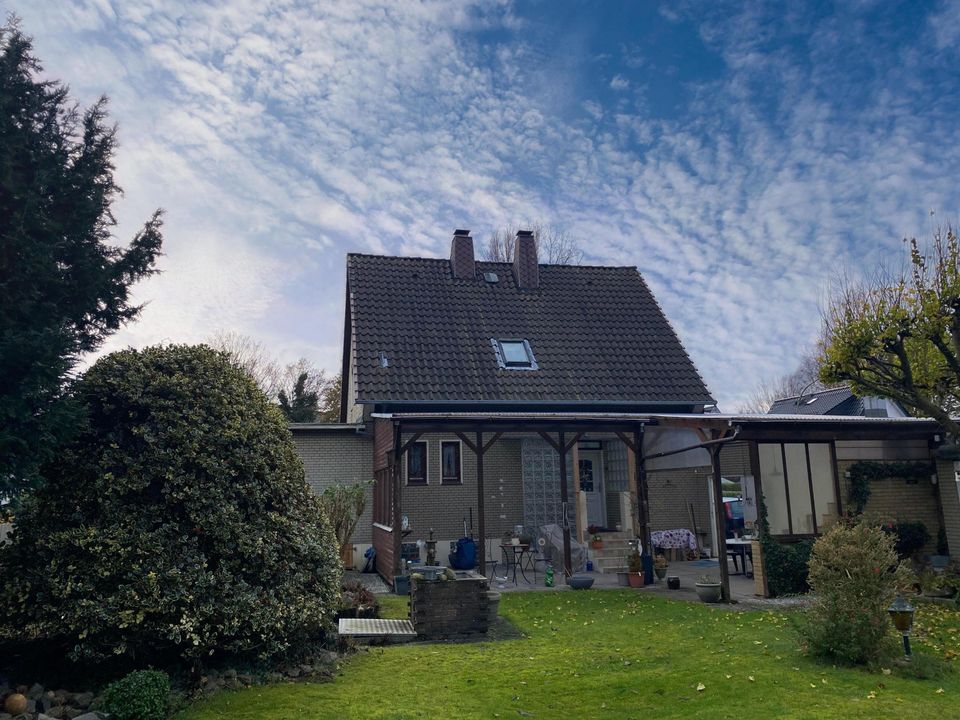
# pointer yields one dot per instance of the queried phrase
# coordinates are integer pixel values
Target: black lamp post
(901, 612)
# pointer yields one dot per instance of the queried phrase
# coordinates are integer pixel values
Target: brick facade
(340, 456)
(671, 494)
(950, 499)
(444, 507)
(892, 498)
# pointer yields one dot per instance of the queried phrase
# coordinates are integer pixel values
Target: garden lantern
(901, 612)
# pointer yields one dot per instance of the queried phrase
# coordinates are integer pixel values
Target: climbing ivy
(865, 471)
(785, 564)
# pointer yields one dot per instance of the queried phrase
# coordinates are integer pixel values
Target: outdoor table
(513, 556)
(743, 549)
(680, 539)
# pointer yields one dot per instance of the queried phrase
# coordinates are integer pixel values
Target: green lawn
(611, 654)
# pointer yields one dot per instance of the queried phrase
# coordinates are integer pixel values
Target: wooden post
(721, 522)
(632, 485)
(578, 496)
(564, 500)
(643, 501)
(481, 520)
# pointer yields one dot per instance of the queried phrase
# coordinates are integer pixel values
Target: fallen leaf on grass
(701, 687)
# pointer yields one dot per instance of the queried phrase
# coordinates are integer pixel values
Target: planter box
(635, 579)
(445, 608)
(709, 592)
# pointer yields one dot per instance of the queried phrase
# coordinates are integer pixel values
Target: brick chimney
(461, 256)
(526, 271)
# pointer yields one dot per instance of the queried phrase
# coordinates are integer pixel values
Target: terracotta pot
(16, 704)
(596, 544)
(636, 579)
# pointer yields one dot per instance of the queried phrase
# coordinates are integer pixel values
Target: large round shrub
(178, 524)
(854, 576)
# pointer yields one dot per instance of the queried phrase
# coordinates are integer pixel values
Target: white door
(591, 485)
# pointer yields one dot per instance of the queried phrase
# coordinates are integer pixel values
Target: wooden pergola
(394, 434)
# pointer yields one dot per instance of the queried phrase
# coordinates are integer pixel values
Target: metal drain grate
(373, 627)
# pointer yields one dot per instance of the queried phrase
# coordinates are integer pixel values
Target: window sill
(417, 483)
(451, 482)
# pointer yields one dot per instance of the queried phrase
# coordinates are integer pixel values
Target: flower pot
(580, 582)
(596, 544)
(660, 572)
(635, 579)
(709, 592)
(623, 579)
(673, 582)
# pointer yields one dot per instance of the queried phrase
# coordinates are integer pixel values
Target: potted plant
(596, 541)
(635, 566)
(660, 565)
(708, 589)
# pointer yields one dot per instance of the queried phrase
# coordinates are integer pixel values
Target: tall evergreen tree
(64, 282)
(301, 404)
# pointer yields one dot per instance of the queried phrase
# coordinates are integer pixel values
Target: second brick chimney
(526, 271)
(461, 256)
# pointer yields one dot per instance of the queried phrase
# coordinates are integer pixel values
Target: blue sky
(741, 155)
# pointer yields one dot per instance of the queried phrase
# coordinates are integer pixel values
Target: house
(470, 389)
(461, 336)
(837, 401)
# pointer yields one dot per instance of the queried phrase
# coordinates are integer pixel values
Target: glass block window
(541, 485)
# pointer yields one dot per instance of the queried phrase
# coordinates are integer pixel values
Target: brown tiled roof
(597, 334)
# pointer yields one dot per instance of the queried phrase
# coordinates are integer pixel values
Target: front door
(591, 485)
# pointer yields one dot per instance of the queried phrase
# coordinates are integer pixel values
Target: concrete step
(617, 535)
(606, 563)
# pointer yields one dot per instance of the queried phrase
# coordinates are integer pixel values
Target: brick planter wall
(445, 608)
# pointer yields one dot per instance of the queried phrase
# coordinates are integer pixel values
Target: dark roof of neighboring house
(836, 401)
(597, 334)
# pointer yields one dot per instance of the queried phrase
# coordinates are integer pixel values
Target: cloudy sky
(739, 155)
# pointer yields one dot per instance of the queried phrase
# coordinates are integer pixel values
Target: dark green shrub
(141, 695)
(178, 525)
(854, 576)
(786, 566)
(909, 537)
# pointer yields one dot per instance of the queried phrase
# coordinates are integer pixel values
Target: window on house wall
(799, 487)
(450, 468)
(417, 464)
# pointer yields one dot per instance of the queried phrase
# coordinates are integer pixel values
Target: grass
(610, 654)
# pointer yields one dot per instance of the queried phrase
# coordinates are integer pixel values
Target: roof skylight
(514, 354)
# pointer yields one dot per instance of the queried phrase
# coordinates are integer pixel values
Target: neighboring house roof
(597, 335)
(836, 401)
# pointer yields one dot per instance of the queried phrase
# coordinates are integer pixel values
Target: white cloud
(619, 83)
(280, 137)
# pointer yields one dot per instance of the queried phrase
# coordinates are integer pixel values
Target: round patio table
(513, 556)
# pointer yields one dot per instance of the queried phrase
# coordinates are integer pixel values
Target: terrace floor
(741, 588)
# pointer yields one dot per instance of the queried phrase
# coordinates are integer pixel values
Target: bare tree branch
(555, 246)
